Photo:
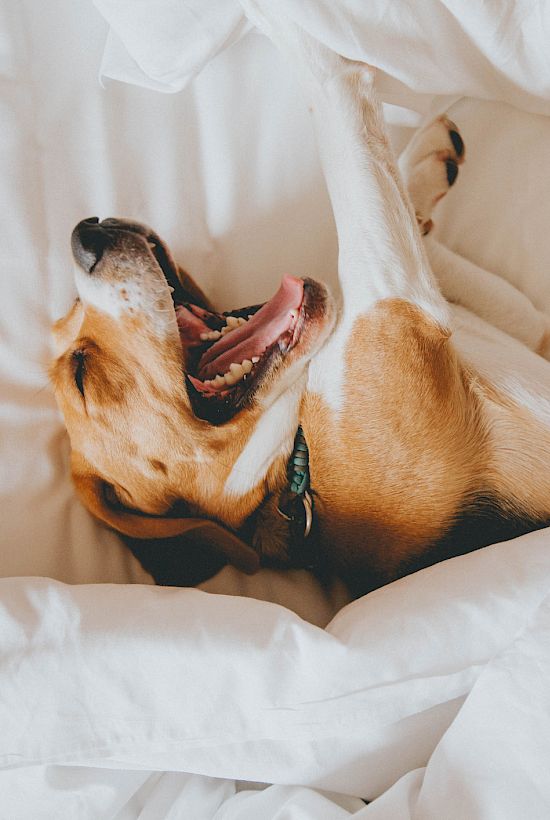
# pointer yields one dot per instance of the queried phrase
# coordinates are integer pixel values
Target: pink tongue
(259, 333)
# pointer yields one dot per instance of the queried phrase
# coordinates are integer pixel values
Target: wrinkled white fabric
(495, 50)
(144, 678)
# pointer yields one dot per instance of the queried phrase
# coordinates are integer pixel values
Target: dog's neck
(264, 456)
(277, 526)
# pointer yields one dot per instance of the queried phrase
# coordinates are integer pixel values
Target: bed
(264, 696)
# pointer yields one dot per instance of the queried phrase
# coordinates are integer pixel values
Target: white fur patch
(119, 297)
(273, 436)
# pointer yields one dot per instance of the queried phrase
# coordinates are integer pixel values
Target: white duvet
(119, 700)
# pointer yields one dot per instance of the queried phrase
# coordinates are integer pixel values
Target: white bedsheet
(102, 686)
(417, 688)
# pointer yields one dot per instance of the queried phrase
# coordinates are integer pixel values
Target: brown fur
(392, 470)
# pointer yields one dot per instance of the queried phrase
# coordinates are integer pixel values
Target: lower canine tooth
(255, 359)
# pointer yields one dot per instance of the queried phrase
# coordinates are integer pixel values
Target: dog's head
(159, 392)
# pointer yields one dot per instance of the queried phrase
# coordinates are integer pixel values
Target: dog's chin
(238, 358)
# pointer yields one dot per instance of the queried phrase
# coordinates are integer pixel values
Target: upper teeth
(232, 322)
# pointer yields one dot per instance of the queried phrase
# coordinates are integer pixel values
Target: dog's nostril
(88, 242)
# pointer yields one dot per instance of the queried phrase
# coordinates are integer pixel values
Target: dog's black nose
(88, 241)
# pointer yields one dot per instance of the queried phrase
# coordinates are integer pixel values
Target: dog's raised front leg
(392, 426)
(380, 249)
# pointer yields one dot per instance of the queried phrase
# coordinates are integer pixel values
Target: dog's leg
(430, 166)
(490, 297)
(393, 428)
(380, 250)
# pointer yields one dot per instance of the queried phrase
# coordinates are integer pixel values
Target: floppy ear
(92, 492)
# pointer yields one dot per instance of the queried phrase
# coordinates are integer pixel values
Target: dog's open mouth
(227, 356)
(230, 354)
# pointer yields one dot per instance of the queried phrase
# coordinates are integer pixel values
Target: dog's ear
(95, 495)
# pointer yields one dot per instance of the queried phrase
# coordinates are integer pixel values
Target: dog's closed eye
(79, 369)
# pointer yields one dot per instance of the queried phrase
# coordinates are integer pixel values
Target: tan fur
(136, 429)
(394, 467)
(518, 445)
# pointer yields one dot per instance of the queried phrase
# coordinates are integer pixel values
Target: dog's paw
(429, 166)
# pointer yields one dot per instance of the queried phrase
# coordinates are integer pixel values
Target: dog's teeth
(230, 379)
(152, 245)
(247, 365)
(250, 315)
(214, 334)
(204, 336)
(232, 321)
(255, 359)
(241, 320)
(237, 370)
(218, 381)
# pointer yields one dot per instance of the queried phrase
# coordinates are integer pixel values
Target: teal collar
(295, 502)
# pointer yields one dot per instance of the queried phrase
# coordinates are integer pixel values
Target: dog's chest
(383, 412)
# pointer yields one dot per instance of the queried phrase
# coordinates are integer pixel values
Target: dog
(426, 419)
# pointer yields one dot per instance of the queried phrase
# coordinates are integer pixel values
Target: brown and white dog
(428, 426)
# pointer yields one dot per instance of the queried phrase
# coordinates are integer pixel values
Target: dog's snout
(88, 241)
